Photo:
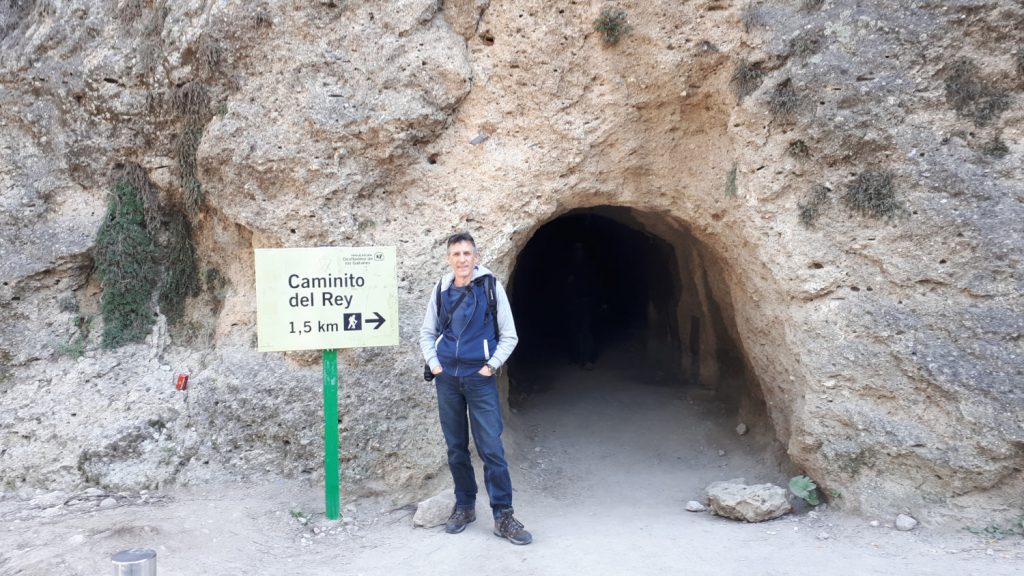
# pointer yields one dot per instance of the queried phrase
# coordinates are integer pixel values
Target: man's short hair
(461, 237)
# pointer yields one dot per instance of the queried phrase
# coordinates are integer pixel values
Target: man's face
(462, 257)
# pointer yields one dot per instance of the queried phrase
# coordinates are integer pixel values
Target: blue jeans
(479, 396)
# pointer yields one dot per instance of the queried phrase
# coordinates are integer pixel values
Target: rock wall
(849, 173)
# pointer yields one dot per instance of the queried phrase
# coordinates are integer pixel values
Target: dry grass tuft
(807, 43)
(798, 149)
(210, 55)
(191, 100)
(817, 200)
(873, 193)
(261, 17)
(972, 96)
(746, 78)
(995, 148)
(753, 17)
(784, 102)
(186, 149)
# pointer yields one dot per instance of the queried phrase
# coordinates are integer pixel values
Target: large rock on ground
(435, 510)
(756, 503)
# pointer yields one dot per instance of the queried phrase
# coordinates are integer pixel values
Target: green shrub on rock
(126, 264)
(804, 487)
(181, 275)
(612, 25)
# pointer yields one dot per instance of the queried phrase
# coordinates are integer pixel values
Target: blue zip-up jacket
(468, 343)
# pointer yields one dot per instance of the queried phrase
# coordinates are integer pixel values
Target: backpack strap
(437, 300)
(448, 315)
(491, 292)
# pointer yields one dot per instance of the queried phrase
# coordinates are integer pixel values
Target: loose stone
(694, 506)
(905, 523)
(434, 511)
(757, 503)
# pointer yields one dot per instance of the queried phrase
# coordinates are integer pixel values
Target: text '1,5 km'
(326, 298)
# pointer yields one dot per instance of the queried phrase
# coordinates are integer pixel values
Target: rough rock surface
(755, 503)
(885, 346)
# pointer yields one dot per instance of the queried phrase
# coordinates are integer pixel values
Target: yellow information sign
(326, 298)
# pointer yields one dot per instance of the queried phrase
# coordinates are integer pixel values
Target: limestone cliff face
(883, 337)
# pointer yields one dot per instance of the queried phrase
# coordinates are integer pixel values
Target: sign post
(331, 489)
(325, 299)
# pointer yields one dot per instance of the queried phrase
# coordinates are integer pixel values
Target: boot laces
(460, 515)
(509, 524)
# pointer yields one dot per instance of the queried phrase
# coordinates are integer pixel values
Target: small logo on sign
(353, 321)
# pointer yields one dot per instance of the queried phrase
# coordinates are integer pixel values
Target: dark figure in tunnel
(583, 297)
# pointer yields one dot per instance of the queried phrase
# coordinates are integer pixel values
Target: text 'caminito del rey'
(326, 297)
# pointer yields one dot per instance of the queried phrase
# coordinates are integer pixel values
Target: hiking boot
(511, 529)
(457, 521)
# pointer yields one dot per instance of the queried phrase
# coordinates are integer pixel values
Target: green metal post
(331, 434)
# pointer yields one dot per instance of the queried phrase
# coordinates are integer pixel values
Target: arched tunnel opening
(597, 290)
(594, 292)
(629, 365)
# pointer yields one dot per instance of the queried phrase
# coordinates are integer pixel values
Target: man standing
(463, 349)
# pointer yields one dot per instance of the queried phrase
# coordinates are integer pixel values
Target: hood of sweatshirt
(479, 271)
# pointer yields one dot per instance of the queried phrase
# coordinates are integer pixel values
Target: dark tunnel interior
(626, 332)
(591, 290)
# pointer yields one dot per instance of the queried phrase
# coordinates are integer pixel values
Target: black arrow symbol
(379, 321)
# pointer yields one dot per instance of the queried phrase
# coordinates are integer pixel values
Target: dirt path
(602, 465)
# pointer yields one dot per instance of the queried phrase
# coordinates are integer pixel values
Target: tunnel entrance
(594, 292)
(628, 360)
(597, 289)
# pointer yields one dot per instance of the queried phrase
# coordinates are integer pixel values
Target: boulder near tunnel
(623, 342)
